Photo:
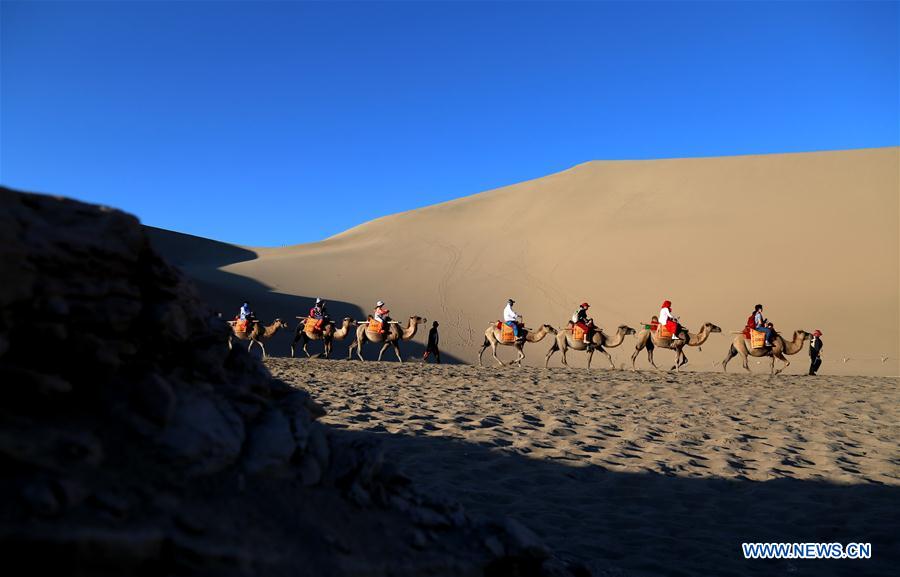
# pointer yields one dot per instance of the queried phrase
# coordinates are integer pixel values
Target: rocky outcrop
(133, 441)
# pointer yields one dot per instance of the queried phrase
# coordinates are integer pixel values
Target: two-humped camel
(257, 335)
(391, 338)
(599, 339)
(329, 334)
(778, 350)
(492, 339)
(650, 340)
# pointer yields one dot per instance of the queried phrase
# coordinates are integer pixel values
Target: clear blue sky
(285, 122)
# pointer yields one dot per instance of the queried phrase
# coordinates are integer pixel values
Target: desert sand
(812, 236)
(640, 473)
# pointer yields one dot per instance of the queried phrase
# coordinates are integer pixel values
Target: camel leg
(746, 359)
(383, 348)
(494, 352)
(481, 352)
(565, 360)
(608, 358)
(650, 356)
(359, 344)
(637, 350)
(263, 347)
(305, 343)
(229, 342)
(521, 356)
(552, 350)
(732, 352)
(397, 351)
(787, 363)
(327, 351)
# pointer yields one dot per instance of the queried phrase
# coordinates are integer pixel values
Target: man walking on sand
(815, 352)
(432, 346)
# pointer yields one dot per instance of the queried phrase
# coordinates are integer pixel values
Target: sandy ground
(812, 236)
(644, 473)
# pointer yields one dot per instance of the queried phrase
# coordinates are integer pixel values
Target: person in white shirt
(667, 319)
(511, 317)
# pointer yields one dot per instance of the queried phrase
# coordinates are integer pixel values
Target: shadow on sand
(638, 524)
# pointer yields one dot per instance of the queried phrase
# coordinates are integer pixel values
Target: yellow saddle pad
(663, 332)
(577, 333)
(757, 339)
(374, 326)
(507, 334)
(310, 325)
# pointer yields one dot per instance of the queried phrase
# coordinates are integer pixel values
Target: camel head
(352, 322)
(712, 328)
(627, 330)
(279, 324)
(802, 334)
(416, 320)
(549, 329)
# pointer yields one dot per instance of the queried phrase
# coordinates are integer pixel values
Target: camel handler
(381, 315)
(581, 320)
(320, 313)
(669, 320)
(815, 352)
(432, 347)
(511, 317)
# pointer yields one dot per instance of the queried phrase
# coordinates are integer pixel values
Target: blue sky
(273, 123)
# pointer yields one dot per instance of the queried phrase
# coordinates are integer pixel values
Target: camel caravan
(664, 331)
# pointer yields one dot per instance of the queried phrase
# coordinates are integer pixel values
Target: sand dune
(813, 236)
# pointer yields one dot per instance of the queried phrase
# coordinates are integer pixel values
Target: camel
(647, 338)
(258, 334)
(601, 342)
(329, 334)
(492, 339)
(391, 338)
(780, 348)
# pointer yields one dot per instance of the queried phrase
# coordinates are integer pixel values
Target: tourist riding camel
(656, 337)
(319, 312)
(386, 332)
(512, 319)
(668, 320)
(599, 341)
(381, 316)
(585, 324)
(500, 333)
(742, 345)
(257, 334)
(306, 331)
(757, 322)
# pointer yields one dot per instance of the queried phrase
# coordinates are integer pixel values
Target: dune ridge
(813, 236)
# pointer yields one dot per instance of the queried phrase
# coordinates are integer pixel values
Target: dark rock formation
(132, 441)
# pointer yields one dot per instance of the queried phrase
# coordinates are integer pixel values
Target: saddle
(662, 332)
(507, 334)
(757, 339)
(577, 333)
(241, 326)
(311, 325)
(374, 326)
